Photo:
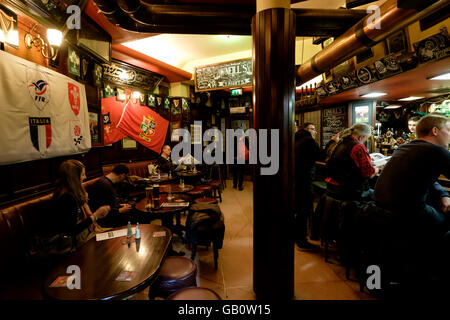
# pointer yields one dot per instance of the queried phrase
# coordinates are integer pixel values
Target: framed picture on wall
(362, 114)
(95, 127)
(128, 144)
(396, 42)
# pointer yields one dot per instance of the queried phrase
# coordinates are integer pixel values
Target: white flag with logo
(43, 114)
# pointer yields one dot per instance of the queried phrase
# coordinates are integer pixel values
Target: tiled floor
(314, 278)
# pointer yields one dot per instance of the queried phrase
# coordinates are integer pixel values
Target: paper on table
(113, 234)
(175, 204)
(378, 159)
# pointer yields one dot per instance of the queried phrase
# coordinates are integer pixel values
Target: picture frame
(128, 144)
(363, 56)
(396, 43)
(10, 36)
(94, 40)
(95, 127)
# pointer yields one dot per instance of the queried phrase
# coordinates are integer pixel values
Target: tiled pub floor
(314, 278)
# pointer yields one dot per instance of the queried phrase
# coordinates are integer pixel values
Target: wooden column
(273, 32)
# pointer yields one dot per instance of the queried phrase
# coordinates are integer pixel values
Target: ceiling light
(393, 106)
(136, 94)
(410, 98)
(374, 94)
(445, 76)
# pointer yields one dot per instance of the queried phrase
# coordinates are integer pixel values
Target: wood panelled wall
(28, 179)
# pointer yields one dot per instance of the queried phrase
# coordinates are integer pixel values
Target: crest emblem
(148, 127)
(167, 103)
(40, 133)
(74, 98)
(76, 132)
(159, 100)
(142, 99)
(151, 100)
(107, 118)
(39, 89)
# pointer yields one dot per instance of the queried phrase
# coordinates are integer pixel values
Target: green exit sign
(236, 92)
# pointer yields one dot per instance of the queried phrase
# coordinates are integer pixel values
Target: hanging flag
(41, 112)
(144, 125)
(112, 110)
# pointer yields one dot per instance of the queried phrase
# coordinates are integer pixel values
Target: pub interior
(98, 202)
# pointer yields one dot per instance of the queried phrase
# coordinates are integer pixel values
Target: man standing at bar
(307, 152)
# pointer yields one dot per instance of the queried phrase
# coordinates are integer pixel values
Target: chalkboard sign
(226, 75)
(333, 121)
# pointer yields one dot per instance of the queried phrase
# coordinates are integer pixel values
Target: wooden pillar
(273, 31)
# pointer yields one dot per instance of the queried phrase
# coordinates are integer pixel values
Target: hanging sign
(225, 75)
(122, 74)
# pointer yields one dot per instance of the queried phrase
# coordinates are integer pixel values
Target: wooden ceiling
(207, 17)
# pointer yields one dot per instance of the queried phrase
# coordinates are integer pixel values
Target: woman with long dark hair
(71, 214)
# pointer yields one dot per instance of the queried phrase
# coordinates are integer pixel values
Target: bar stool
(216, 189)
(194, 293)
(207, 189)
(176, 273)
(218, 169)
(206, 200)
(196, 193)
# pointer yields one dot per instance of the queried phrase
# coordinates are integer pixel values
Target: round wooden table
(140, 206)
(175, 188)
(166, 213)
(101, 262)
(189, 174)
(154, 180)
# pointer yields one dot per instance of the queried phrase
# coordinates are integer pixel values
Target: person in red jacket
(241, 154)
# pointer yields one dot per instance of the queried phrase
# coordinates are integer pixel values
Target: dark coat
(307, 152)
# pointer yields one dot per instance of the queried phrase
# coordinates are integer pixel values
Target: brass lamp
(49, 45)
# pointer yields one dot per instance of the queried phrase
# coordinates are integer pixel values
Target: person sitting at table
(350, 167)
(104, 192)
(410, 175)
(164, 162)
(71, 218)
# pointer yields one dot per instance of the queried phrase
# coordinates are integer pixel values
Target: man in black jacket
(307, 152)
(103, 192)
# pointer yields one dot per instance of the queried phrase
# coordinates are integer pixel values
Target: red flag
(144, 125)
(112, 111)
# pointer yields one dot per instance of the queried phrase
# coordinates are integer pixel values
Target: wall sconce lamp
(49, 46)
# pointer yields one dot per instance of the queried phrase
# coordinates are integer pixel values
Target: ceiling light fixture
(445, 76)
(374, 94)
(393, 107)
(411, 98)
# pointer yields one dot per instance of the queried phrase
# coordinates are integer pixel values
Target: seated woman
(72, 220)
(350, 167)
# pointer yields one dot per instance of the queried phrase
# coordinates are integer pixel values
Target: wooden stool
(217, 186)
(207, 189)
(206, 200)
(218, 169)
(194, 293)
(176, 273)
(196, 193)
